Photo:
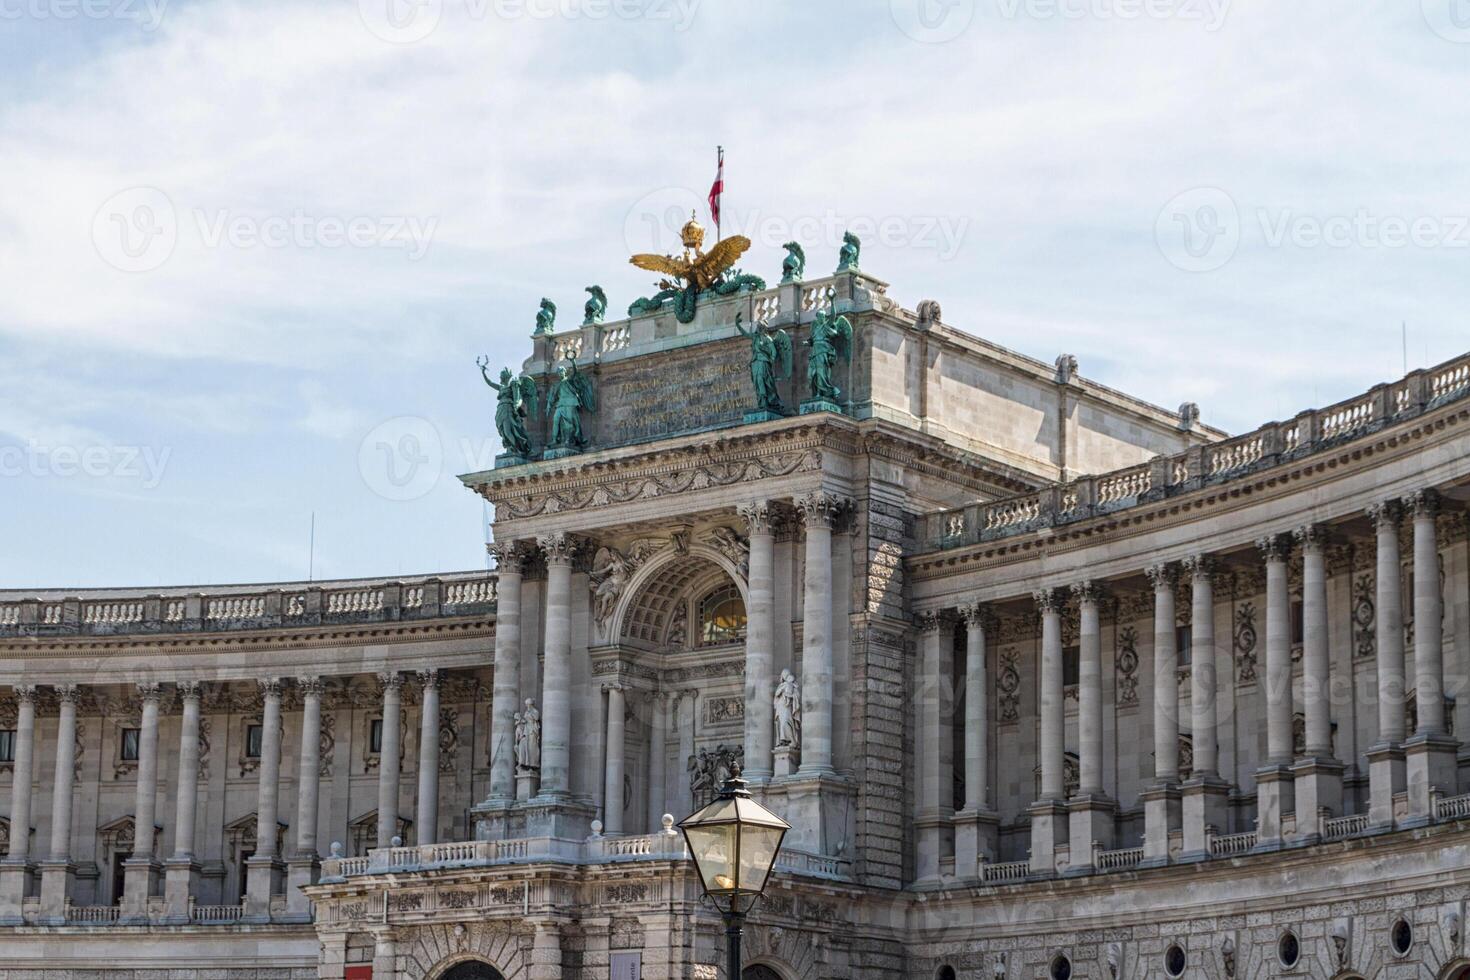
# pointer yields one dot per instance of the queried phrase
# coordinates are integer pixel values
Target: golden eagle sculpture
(694, 272)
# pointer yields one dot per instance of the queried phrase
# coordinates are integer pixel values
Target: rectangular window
(1182, 640)
(7, 745)
(254, 734)
(130, 744)
(1071, 660)
(375, 735)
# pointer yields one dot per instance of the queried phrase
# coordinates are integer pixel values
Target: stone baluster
(935, 741)
(1161, 798)
(556, 703)
(142, 867)
(261, 869)
(15, 868)
(1430, 753)
(303, 865)
(1317, 775)
(1274, 789)
(977, 825)
(506, 699)
(1205, 795)
(427, 814)
(57, 870)
(658, 759)
(760, 635)
(390, 756)
(819, 512)
(1386, 774)
(1092, 812)
(1049, 813)
(612, 794)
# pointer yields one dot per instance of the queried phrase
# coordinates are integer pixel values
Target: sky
(250, 251)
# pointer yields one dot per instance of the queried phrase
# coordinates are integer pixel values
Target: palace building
(1050, 683)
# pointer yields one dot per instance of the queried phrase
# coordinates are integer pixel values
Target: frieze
(723, 711)
(624, 892)
(458, 898)
(724, 668)
(406, 901)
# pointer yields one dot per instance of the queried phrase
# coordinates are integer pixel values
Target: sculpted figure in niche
(528, 738)
(788, 710)
(610, 573)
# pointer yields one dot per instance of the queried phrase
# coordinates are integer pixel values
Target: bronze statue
(570, 396)
(770, 362)
(515, 399)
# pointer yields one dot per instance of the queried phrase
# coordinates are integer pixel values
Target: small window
(1175, 961)
(1071, 665)
(1061, 968)
(1402, 937)
(721, 617)
(1183, 640)
(1298, 623)
(1289, 950)
(253, 736)
(375, 735)
(7, 745)
(129, 745)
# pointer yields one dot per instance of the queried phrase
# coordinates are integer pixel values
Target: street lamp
(734, 841)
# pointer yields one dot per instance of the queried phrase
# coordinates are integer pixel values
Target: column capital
(189, 690)
(561, 548)
(1088, 592)
(1422, 503)
(427, 678)
(820, 508)
(1050, 600)
(390, 680)
(1274, 547)
(1200, 567)
(760, 516)
(270, 687)
(510, 556)
(976, 615)
(25, 693)
(68, 693)
(611, 686)
(150, 691)
(1311, 537)
(1385, 514)
(933, 620)
(311, 686)
(1163, 576)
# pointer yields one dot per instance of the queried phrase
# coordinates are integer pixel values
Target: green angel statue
(847, 256)
(570, 397)
(830, 338)
(515, 399)
(770, 361)
(546, 317)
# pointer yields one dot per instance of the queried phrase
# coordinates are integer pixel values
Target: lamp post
(734, 841)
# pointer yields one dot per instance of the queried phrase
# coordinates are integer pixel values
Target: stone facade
(1048, 681)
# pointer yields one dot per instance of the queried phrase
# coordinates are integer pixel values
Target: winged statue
(695, 271)
(570, 396)
(515, 398)
(829, 339)
(770, 362)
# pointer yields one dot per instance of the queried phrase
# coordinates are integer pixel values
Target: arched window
(721, 617)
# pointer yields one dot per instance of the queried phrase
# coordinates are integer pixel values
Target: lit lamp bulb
(724, 881)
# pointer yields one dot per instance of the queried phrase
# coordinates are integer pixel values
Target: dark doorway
(472, 970)
(759, 972)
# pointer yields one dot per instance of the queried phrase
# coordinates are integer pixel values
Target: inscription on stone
(683, 391)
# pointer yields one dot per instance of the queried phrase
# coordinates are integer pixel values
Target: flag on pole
(716, 189)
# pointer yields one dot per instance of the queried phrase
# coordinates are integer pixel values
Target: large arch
(470, 969)
(684, 565)
(433, 952)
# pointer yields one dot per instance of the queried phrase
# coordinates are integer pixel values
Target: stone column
(506, 699)
(545, 951)
(142, 867)
(385, 952)
(1430, 753)
(686, 701)
(303, 865)
(261, 869)
(1206, 795)
(181, 871)
(1049, 813)
(818, 512)
(1161, 812)
(760, 633)
(1386, 774)
(57, 870)
(15, 869)
(427, 817)
(390, 756)
(977, 825)
(1274, 794)
(1091, 811)
(935, 741)
(657, 759)
(556, 699)
(612, 793)
(1317, 775)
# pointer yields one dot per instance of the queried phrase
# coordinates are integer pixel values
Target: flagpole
(720, 170)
